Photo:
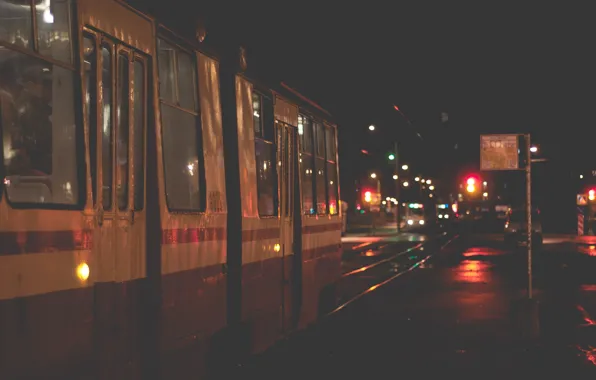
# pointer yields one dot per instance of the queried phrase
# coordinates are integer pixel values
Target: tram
(159, 205)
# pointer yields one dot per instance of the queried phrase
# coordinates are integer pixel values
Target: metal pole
(397, 187)
(529, 206)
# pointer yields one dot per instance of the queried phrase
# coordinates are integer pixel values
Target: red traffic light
(471, 181)
(592, 194)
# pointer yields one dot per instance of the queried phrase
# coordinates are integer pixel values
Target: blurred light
(410, 222)
(392, 157)
(83, 271)
(367, 196)
(48, 17)
(395, 176)
(417, 179)
(404, 167)
(454, 207)
(387, 198)
(371, 127)
(446, 216)
(373, 175)
(534, 149)
(396, 108)
(440, 216)
(471, 181)
(485, 183)
(384, 202)
(485, 195)
(430, 195)
(428, 181)
(276, 247)
(581, 176)
(431, 187)
(592, 194)
(364, 151)
(421, 222)
(471, 188)
(406, 184)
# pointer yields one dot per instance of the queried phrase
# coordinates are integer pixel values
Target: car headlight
(421, 222)
(410, 222)
(440, 216)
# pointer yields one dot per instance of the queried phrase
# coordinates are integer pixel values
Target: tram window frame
(266, 136)
(73, 66)
(196, 113)
(307, 155)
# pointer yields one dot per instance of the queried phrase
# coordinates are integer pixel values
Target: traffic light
(391, 157)
(592, 194)
(471, 184)
(367, 197)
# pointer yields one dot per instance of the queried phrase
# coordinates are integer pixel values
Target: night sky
(492, 69)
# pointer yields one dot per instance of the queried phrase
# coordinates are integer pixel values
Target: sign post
(500, 152)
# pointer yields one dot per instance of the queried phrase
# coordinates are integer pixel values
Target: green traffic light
(392, 157)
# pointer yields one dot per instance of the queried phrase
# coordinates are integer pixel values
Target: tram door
(116, 100)
(286, 142)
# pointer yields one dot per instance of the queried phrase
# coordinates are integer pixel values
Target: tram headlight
(410, 222)
(440, 216)
(421, 222)
(83, 271)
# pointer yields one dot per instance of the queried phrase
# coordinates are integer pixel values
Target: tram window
(187, 88)
(139, 135)
(266, 178)
(320, 185)
(53, 29)
(306, 164)
(330, 143)
(332, 189)
(107, 140)
(257, 113)
(15, 23)
(90, 78)
(123, 120)
(39, 130)
(265, 154)
(320, 140)
(167, 74)
(181, 129)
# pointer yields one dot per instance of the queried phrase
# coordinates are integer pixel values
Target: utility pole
(397, 187)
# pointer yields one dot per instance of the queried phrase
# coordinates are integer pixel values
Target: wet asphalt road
(460, 312)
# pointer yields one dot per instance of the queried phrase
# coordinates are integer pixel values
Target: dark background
(493, 69)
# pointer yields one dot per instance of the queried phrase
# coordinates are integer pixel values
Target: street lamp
(406, 184)
(417, 179)
(431, 188)
(395, 176)
(371, 127)
(404, 167)
(428, 181)
(534, 149)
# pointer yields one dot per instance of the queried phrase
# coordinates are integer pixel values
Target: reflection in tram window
(15, 23)
(139, 135)
(53, 29)
(306, 164)
(107, 140)
(257, 112)
(38, 128)
(181, 130)
(90, 79)
(123, 132)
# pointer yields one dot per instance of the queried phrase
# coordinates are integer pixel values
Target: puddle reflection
(472, 271)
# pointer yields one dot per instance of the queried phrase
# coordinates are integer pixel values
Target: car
(515, 230)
